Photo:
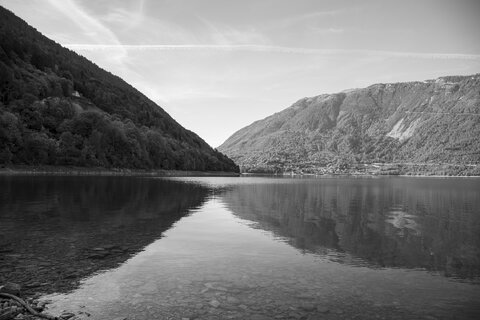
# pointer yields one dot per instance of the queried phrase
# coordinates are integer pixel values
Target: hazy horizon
(216, 66)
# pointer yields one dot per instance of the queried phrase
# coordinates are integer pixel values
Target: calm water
(245, 248)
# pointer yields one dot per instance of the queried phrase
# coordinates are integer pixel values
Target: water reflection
(55, 231)
(208, 248)
(225, 261)
(400, 222)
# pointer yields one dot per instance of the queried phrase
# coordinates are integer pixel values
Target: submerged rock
(323, 309)
(308, 306)
(259, 317)
(67, 315)
(214, 303)
(11, 288)
(233, 300)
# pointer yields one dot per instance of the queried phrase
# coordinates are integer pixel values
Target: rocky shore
(14, 307)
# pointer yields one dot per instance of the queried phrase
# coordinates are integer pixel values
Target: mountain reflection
(411, 223)
(54, 231)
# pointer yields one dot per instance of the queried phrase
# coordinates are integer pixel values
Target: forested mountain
(430, 126)
(59, 108)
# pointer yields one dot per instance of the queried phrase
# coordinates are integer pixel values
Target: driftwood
(27, 306)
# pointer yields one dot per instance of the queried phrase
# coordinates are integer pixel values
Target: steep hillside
(57, 107)
(429, 126)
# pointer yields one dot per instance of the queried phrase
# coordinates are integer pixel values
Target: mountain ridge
(59, 108)
(398, 123)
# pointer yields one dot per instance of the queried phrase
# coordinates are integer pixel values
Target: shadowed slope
(59, 108)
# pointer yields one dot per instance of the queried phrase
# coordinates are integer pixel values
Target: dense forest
(58, 108)
(423, 127)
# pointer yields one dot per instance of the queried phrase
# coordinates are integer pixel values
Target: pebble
(233, 300)
(307, 306)
(259, 317)
(304, 297)
(214, 303)
(33, 285)
(294, 315)
(67, 315)
(323, 309)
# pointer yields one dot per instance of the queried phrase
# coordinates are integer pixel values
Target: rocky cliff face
(434, 122)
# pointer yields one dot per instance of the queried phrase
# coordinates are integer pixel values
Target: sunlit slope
(434, 121)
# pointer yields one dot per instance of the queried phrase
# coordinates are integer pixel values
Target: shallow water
(248, 248)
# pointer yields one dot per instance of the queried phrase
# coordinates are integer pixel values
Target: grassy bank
(84, 171)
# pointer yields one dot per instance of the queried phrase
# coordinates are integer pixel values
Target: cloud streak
(127, 18)
(226, 35)
(272, 49)
(90, 26)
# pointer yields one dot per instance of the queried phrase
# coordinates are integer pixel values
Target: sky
(218, 65)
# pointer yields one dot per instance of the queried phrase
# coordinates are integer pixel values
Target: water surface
(247, 248)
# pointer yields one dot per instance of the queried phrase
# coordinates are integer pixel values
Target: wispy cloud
(221, 34)
(311, 16)
(317, 14)
(91, 27)
(126, 18)
(305, 18)
(328, 30)
(275, 49)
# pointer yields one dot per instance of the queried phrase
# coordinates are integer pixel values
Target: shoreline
(86, 171)
(18, 170)
(373, 169)
(369, 175)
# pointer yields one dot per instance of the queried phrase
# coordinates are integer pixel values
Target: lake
(244, 248)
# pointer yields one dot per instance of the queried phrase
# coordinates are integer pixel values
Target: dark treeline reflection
(412, 223)
(56, 230)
